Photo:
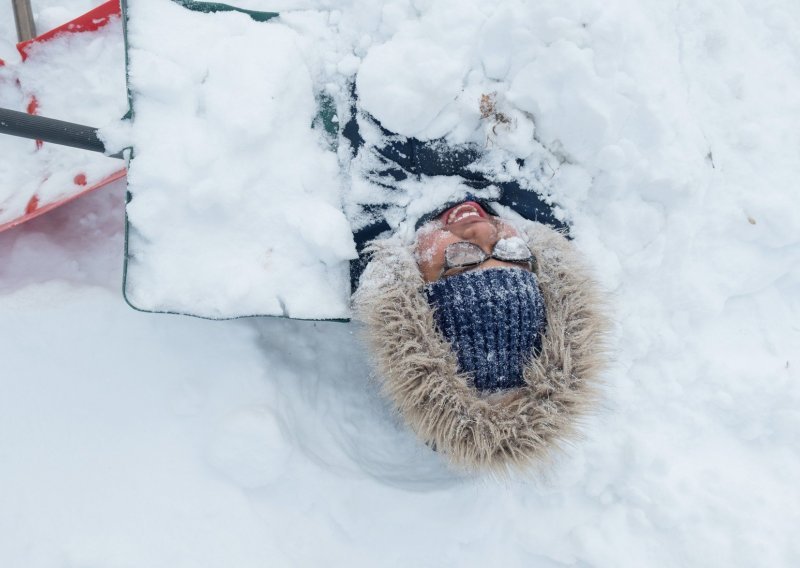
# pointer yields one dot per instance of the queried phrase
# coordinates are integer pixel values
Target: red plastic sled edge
(32, 210)
(88, 22)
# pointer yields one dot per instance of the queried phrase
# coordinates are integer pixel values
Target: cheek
(506, 230)
(430, 251)
(430, 244)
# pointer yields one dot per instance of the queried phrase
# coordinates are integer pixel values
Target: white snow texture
(223, 141)
(670, 131)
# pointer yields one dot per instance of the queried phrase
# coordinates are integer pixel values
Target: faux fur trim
(508, 430)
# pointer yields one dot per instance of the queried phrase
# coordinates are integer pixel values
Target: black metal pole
(15, 123)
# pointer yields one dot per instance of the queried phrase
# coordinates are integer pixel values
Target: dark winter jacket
(400, 158)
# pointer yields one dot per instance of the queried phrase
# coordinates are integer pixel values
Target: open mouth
(464, 212)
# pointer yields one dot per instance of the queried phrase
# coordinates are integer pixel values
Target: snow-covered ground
(131, 439)
(54, 74)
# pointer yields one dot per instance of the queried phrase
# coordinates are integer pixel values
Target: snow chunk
(235, 204)
(407, 82)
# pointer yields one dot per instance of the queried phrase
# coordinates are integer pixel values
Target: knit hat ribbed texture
(494, 319)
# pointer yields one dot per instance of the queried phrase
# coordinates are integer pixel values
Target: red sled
(90, 21)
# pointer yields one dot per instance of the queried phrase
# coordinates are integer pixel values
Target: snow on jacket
(398, 181)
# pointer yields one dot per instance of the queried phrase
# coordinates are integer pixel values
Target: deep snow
(130, 439)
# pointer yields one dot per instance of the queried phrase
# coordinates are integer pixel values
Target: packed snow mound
(236, 202)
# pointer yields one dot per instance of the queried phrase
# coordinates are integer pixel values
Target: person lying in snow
(487, 332)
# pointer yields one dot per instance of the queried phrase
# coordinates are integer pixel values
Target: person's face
(465, 222)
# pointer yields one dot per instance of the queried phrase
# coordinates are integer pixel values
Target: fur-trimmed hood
(419, 373)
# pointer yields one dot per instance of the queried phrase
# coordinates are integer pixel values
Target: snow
(132, 439)
(425, 78)
(224, 142)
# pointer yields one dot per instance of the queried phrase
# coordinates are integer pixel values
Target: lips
(468, 211)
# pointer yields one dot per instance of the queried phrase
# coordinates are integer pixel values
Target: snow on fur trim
(418, 369)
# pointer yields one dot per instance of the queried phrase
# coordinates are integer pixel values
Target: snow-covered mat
(235, 200)
(74, 72)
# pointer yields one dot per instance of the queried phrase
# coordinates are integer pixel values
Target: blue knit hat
(494, 319)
